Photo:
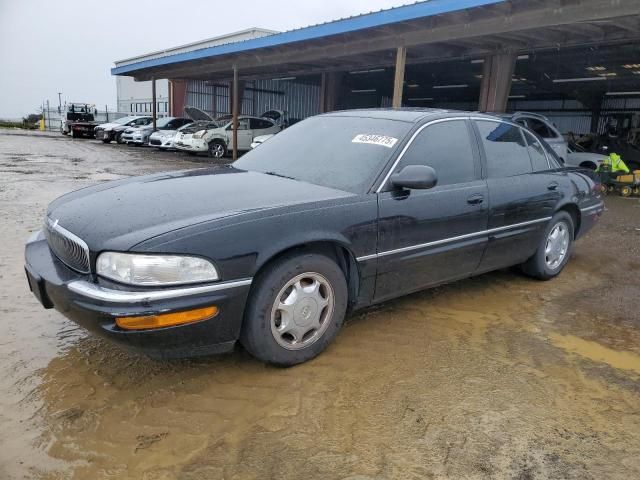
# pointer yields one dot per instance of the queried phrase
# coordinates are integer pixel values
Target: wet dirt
(498, 376)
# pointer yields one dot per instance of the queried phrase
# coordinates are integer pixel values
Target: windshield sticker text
(382, 140)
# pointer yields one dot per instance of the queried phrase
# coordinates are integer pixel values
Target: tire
(73, 133)
(313, 323)
(626, 191)
(106, 140)
(119, 138)
(217, 149)
(545, 265)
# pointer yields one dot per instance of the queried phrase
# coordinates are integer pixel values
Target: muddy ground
(494, 377)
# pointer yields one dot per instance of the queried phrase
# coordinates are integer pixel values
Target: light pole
(59, 102)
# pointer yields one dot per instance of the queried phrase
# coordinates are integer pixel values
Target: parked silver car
(140, 135)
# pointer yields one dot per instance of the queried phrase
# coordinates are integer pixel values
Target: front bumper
(94, 304)
(104, 134)
(192, 145)
(161, 142)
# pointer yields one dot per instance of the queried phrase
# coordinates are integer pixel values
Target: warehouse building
(136, 98)
(576, 61)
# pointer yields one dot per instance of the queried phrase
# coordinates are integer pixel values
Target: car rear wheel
(295, 310)
(217, 149)
(554, 250)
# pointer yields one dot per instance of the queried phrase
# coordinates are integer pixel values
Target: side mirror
(415, 177)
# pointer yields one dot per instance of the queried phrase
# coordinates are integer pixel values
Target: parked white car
(140, 135)
(260, 140)
(578, 158)
(216, 137)
(544, 128)
(163, 139)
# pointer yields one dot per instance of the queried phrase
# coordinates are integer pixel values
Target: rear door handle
(552, 186)
(476, 199)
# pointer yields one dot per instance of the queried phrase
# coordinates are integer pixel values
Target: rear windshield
(346, 153)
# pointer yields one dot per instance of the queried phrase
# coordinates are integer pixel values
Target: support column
(178, 94)
(235, 111)
(323, 93)
(330, 91)
(154, 106)
(497, 76)
(398, 83)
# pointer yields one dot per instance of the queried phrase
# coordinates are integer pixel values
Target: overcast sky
(69, 46)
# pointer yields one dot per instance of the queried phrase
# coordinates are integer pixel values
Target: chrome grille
(70, 249)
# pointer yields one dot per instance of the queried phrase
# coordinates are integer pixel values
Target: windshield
(346, 153)
(162, 122)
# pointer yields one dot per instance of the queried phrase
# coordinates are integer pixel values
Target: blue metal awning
(362, 22)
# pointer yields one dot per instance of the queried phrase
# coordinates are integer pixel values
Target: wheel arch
(589, 164)
(334, 248)
(573, 210)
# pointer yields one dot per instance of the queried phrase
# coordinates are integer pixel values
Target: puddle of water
(598, 353)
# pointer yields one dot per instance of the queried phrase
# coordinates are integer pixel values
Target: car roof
(521, 114)
(411, 115)
(400, 114)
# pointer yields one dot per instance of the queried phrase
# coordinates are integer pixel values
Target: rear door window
(539, 160)
(446, 147)
(505, 149)
(258, 124)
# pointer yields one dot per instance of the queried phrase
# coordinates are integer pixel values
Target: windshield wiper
(279, 175)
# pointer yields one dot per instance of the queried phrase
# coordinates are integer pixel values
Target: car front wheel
(554, 250)
(217, 149)
(295, 310)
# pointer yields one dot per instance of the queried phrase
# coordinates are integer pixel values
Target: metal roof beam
(443, 31)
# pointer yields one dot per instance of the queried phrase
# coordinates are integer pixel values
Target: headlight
(155, 270)
(200, 134)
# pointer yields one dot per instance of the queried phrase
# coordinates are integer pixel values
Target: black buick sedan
(336, 213)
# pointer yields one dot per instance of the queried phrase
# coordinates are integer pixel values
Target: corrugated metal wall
(300, 100)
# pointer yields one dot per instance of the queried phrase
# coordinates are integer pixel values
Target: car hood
(108, 125)
(118, 215)
(196, 114)
(164, 133)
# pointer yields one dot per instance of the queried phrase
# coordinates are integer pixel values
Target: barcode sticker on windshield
(383, 140)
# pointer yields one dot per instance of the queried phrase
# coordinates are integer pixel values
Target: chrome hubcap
(302, 311)
(557, 245)
(217, 150)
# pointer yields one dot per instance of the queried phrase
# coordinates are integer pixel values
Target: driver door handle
(476, 199)
(552, 186)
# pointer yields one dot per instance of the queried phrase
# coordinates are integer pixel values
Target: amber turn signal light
(166, 319)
